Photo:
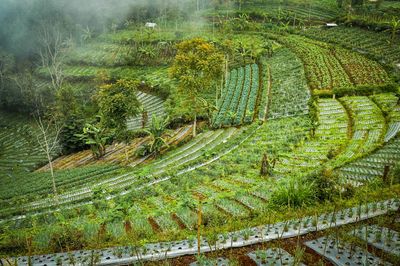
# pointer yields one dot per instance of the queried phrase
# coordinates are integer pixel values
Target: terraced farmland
(282, 143)
(330, 135)
(20, 150)
(238, 102)
(377, 45)
(329, 67)
(152, 105)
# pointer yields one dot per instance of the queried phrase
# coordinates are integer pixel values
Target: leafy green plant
(96, 137)
(293, 192)
(156, 133)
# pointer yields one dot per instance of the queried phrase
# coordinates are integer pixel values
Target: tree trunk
(195, 126)
(386, 175)
(52, 175)
(126, 153)
(264, 165)
(198, 228)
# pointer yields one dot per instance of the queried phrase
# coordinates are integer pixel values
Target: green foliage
(117, 102)
(293, 192)
(395, 174)
(66, 109)
(197, 67)
(69, 135)
(96, 137)
(324, 183)
(156, 133)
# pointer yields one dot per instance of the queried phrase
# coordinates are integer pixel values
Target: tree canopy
(198, 66)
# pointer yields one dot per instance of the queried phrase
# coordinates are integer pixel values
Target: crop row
(289, 90)
(225, 100)
(153, 105)
(84, 73)
(20, 150)
(329, 67)
(238, 102)
(121, 182)
(372, 166)
(27, 187)
(388, 102)
(377, 45)
(368, 128)
(361, 70)
(330, 135)
(100, 54)
(323, 70)
(230, 115)
(240, 111)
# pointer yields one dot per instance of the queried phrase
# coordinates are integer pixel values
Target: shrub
(365, 90)
(325, 187)
(294, 192)
(395, 174)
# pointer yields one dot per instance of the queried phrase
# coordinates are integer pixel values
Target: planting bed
(238, 101)
(343, 254)
(368, 129)
(330, 135)
(289, 91)
(380, 237)
(152, 105)
(329, 67)
(20, 149)
(281, 230)
(371, 166)
(376, 44)
(270, 257)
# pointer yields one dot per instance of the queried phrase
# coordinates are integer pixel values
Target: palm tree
(87, 34)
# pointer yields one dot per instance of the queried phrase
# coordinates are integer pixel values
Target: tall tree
(117, 102)
(198, 68)
(48, 139)
(53, 52)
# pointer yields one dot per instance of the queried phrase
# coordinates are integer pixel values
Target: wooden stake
(198, 228)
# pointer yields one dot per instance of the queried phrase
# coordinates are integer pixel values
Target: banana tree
(394, 27)
(96, 137)
(156, 133)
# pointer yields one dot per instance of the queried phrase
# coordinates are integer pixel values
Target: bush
(325, 187)
(395, 174)
(365, 90)
(294, 192)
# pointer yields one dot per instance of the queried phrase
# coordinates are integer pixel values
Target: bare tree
(48, 139)
(53, 52)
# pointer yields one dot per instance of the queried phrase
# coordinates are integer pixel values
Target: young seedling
(298, 255)
(350, 213)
